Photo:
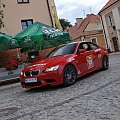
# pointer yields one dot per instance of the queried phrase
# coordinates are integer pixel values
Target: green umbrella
(6, 42)
(40, 36)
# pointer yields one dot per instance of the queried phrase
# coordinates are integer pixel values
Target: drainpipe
(50, 13)
(104, 30)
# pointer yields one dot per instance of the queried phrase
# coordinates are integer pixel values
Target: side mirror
(81, 51)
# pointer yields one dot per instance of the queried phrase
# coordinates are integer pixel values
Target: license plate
(30, 80)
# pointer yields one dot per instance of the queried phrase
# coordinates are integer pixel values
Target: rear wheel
(69, 75)
(105, 63)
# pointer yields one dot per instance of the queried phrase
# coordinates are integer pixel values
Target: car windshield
(62, 50)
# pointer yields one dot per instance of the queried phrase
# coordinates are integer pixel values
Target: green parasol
(6, 42)
(40, 36)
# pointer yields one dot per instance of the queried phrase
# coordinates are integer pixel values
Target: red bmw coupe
(65, 64)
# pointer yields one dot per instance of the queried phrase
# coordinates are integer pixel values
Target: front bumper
(43, 79)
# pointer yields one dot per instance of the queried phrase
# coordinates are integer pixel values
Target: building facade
(20, 14)
(110, 17)
(88, 29)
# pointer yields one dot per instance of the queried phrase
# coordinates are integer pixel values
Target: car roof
(78, 42)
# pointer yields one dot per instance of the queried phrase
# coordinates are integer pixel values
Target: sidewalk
(9, 81)
(7, 77)
(114, 53)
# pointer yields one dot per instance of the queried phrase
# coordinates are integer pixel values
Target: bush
(13, 64)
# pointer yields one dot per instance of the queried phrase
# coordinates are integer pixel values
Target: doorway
(115, 43)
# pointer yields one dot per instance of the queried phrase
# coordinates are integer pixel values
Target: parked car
(65, 64)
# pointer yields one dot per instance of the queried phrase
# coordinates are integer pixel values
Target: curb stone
(9, 81)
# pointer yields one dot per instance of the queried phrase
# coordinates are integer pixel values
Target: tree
(65, 23)
(1, 14)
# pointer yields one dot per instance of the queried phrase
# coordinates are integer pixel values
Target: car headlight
(21, 73)
(51, 69)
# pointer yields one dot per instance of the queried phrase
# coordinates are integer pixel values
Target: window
(94, 40)
(62, 50)
(110, 21)
(93, 46)
(26, 23)
(84, 46)
(23, 1)
(88, 46)
(99, 26)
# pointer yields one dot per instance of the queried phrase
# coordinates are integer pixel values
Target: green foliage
(1, 14)
(65, 23)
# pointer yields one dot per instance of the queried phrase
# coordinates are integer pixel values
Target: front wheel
(69, 75)
(105, 63)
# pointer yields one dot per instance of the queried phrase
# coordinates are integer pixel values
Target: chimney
(79, 21)
(87, 15)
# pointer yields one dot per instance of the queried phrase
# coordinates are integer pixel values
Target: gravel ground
(93, 97)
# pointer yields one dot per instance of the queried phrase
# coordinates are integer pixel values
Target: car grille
(35, 72)
(32, 73)
(27, 73)
(31, 84)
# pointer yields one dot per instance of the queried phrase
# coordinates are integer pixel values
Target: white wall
(116, 15)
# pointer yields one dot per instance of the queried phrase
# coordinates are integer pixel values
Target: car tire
(105, 63)
(69, 75)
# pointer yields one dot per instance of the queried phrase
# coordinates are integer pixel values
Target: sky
(72, 9)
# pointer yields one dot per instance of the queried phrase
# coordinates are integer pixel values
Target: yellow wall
(55, 18)
(91, 26)
(100, 39)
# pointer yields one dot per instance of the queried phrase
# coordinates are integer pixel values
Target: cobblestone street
(93, 97)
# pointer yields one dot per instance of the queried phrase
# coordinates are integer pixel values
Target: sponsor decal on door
(90, 63)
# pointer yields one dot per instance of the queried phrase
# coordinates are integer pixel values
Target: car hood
(49, 62)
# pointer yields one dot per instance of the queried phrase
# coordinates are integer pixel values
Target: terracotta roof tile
(73, 31)
(108, 4)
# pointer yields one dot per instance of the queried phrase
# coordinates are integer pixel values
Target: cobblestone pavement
(93, 97)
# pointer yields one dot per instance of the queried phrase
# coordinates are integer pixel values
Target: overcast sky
(72, 9)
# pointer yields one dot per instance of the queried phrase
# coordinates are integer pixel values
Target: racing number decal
(99, 55)
(90, 62)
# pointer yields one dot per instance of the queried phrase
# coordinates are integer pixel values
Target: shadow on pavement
(53, 88)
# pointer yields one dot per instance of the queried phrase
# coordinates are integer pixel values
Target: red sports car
(65, 64)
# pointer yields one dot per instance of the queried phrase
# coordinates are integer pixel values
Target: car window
(84, 46)
(93, 46)
(63, 50)
(81, 46)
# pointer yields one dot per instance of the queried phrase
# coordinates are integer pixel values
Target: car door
(85, 61)
(97, 53)
(81, 61)
(90, 58)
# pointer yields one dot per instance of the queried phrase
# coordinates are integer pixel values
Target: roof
(108, 4)
(80, 41)
(77, 32)
(73, 31)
